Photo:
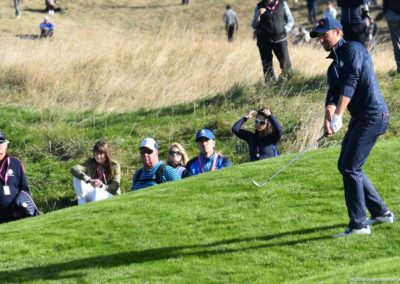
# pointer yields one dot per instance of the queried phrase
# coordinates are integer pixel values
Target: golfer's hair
(270, 129)
(185, 157)
(101, 147)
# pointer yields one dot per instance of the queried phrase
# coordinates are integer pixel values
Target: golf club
(288, 164)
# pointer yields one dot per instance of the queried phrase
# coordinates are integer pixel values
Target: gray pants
(16, 6)
(394, 28)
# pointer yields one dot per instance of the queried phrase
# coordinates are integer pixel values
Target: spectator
(263, 141)
(208, 160)
(391, 10)
(13, 185)
(231, 22)
(153, 171)
(16, 7)
(46, 28)
(352, 19)
(272, 21)
(185, 2)
(301, 36)
(371, 33)
(330, 11)
(312, 11)
(98, 177)
(177, 158)
(352, 84)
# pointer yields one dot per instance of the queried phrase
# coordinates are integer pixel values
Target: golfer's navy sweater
(351, 74)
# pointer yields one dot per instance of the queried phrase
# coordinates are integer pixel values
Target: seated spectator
(302, 36)
(153, 171)
(98, 177)
(208, 160)
(15, 200)
(263, 141)
(46, 28)
(177, 158)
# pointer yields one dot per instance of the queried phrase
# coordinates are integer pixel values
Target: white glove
(336, 123)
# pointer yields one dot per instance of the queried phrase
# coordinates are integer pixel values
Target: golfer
(353, 85)
(263, 141)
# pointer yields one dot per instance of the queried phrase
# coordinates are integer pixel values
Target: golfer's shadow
(74, 268)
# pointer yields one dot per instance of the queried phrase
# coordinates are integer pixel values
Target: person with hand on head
(208, 160)
(263, 141)
(153, 171)
(13, 187)
(177, 158)
(353, 85)
(98, 177)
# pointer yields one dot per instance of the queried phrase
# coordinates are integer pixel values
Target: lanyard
(213, 164)
(273, 7)
(5, 178)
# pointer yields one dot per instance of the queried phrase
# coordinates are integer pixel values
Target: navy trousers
(359, 192)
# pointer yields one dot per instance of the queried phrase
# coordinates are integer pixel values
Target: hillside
(214, 228)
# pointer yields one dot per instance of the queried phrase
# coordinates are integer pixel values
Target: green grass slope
(214, 228)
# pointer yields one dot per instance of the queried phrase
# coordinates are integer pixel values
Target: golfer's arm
(342, 105)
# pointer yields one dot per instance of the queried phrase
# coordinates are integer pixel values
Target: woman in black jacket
(263, 141)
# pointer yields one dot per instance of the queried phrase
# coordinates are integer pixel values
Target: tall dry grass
(124, 55)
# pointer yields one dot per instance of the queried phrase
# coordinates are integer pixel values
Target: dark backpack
(158, 175)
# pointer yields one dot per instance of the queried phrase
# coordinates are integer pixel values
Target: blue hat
(325, 25)
(206, 133)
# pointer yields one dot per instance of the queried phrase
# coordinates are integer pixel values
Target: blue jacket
(201, 164)
(352, 75)
(47, 25)
(16, 181)
(351, 11)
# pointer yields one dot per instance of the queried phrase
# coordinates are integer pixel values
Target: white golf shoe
(387, 218)
(352, 231)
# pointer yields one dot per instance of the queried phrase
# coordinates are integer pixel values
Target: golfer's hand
(327, 128)
(336, 123)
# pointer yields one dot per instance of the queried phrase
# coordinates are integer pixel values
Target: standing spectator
(312, 11)
(208, 160)
(13, 184)
(231, 22)
(263, 141)
(300, 35)
(391, 10)
(46, 28)
(272, 21)
(16, 7)
(153, 171)
(185, 2)
(330, 11)
(352, 19)
(98, 177)
(353, 85)
(177, 158)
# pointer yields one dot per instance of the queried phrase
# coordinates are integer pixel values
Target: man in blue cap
(208, 160)
(353, 85)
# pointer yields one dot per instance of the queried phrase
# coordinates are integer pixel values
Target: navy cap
(325, 25)
(205, 133)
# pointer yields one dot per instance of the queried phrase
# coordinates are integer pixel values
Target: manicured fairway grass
(214, 228)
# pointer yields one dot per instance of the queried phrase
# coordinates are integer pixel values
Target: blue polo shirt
(144, 178)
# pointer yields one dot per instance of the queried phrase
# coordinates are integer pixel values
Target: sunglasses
(175, 153)
(144, 151)
(258, 121)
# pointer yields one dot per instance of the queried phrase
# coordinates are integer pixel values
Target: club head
(255, 183)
